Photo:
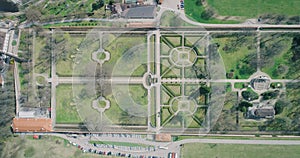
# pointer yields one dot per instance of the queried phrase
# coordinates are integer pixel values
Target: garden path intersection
(177, 58)
(133, 81)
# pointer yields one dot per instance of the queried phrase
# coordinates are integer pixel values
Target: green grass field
(182, 137)
(239, 85)
(235, 49)
(41, 66)
(121, 47)
(237, 150)
(278, 63)
(66, 56)
(66, 112)
(117, 115)
(254, 8)
(47, 147)
(139, 94)
(244, 9)
(193, 11)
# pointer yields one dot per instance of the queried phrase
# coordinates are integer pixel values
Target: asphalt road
(83, 141)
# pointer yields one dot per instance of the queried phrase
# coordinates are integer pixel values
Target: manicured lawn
(66, 112)
(236, 150)
(254, 8)
(102, 104)
(139, 94)
(41, 80)
(193, 11)
(165, 115)
(153, 108)
(125, 58)
(239, 85)
(238, 53)
(42, 65)
(140, 71)
(67, 55)
(118, 115)
(114, 112)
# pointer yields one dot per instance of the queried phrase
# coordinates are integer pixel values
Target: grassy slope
(244, 8)
(254, 8)
(194, 11)
(47, 147)
(237, 150)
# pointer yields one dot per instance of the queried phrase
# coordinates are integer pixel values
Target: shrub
(243, 106)
(249, 95)
(270, 95)
(207, 14)
(14, 42)
(279, 106)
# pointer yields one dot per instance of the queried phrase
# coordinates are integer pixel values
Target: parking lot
(148, 149)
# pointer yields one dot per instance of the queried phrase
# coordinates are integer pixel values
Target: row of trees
(54, 11)
(7, 106)
(280, 19)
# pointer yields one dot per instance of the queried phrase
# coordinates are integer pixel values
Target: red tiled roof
(32, 125)
(163, 137)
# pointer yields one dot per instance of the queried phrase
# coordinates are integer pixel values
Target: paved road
(236, 141)
(167, 6)
(158, 76)
(54, 83)
(114, 80)
(172, 146)
(171, 6)
(258, 38)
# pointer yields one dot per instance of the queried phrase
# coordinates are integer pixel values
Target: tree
(243, 106)
(33, 14)
(279, 124)
(7, 105)
(249, 95)
(97, 5)
(207, 14)
(111, 2)
(198, 3)
(279, 106)
(270, 95)
(296, 48)
(226, 121)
